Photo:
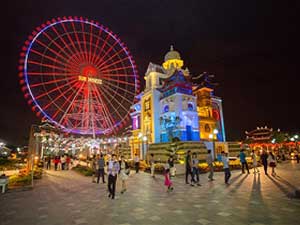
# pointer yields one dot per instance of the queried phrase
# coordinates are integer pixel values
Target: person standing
(68, 161)
(152, 165)
(101, 165)
(264, 161)
(113, 170)
(63, 162)
(124, 172)
(225, 161)
(243, 160)
(272, 163)
(94, 168)
(254, 162)
(137, 163)
(210, 161)
(48, 164)
(188, 166)
(56, 162)
(171, 166)
(297, 156)
(168, 181)
(195, 170)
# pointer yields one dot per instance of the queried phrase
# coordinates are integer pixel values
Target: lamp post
(145, 139)
(213, 137)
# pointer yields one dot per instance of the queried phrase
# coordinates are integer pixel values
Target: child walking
(168, 181)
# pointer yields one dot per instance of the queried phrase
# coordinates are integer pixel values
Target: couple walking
(192, 168)
(114, 168)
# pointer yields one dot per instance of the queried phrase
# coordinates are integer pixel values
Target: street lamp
(213, 137)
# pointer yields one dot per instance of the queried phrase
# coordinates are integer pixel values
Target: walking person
(56, 161)
(272, 163)
(137, 163)
(68, 161)
(63, 162)
(112, 170)
(254, 162)
(152, 165)
(225, 161)
(48, 164)
(264, 160)
(171, 166)
(168, 181)
(124, 172)
(94, 168)
(188, 166)
(297, 156)
(210, 161)
(243, 160)
(101, 165)
(195, 170)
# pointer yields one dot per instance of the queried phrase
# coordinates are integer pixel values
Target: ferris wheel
(79, 75)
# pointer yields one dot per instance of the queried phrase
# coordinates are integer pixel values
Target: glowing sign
(90, 79)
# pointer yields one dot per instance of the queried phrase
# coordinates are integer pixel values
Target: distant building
(259, 135)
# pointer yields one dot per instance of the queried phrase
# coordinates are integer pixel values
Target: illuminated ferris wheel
(79, 75)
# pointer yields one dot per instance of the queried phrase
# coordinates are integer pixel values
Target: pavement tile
(203, 221)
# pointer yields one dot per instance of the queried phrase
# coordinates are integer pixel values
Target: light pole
(213, 137)
(145, 139)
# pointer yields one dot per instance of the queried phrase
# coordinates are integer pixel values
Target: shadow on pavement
(280, 179)
(283, 188)
(234, 179)
(236, 187)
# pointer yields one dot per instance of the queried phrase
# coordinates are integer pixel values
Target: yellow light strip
(90, 79)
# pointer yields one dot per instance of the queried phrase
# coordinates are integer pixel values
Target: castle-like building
(175, 106)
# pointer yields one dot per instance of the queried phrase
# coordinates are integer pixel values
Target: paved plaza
(65, 197)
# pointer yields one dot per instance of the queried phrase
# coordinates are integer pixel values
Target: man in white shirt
(225, 161)
(209, 161)
(112, 170)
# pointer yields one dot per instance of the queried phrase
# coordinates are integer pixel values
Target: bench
(3, 183)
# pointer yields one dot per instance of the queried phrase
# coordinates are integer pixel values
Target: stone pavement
(65, 197)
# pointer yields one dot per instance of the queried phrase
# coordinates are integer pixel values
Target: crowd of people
(63, 162)
(119, 168)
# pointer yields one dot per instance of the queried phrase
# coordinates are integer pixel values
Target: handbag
(127, 171)
(272, 164)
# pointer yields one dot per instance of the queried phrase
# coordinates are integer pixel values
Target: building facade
(175, 106)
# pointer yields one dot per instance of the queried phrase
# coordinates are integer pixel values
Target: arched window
(166, 108)
(190, 106)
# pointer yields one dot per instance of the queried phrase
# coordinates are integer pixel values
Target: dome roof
(172, 54)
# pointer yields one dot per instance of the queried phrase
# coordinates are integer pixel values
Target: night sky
(251, 47)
